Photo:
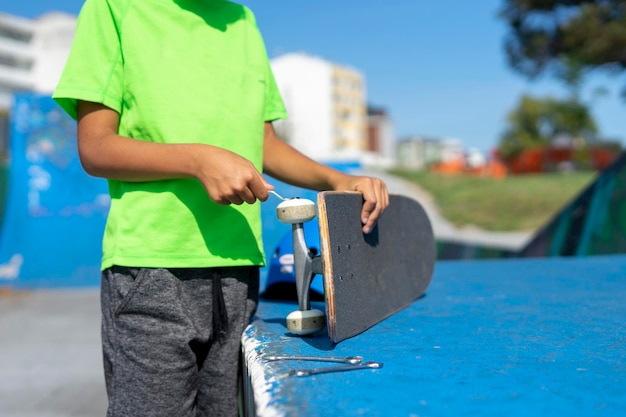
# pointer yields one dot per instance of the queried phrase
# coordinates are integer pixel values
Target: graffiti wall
(54, 214)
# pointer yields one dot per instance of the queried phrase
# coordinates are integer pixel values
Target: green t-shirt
(176, 71)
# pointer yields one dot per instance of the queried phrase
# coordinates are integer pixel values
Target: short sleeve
(274, 106)
(94, 68)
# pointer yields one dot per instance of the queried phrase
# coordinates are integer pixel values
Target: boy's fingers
(260, 189)
(369, 215)
(376, 200)
(237, 194)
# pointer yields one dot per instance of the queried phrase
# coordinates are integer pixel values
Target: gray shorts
(162, 356)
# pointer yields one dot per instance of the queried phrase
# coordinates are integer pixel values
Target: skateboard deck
(367, 278)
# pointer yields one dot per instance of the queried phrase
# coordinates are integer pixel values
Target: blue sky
(438, 67)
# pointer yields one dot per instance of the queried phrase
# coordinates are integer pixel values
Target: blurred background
(504, 118)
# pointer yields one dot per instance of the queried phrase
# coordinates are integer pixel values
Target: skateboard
(367, 277)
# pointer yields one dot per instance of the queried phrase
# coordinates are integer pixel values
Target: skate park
(511, 324)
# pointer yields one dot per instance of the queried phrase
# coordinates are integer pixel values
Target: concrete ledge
(510, 337)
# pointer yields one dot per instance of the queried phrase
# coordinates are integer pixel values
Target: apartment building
(326, 104)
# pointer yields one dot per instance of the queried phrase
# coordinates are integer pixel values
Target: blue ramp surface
(539, 337)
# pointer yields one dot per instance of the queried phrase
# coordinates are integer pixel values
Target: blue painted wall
(54, 215)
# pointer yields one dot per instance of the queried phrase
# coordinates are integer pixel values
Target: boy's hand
(375, 195)
(229, 178)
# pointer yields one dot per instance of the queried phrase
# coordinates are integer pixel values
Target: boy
(174, 101)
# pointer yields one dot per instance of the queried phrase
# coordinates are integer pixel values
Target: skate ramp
(592, 223)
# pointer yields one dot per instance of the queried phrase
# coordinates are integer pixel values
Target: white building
(32, 56)
(418, 152)
(33, 52)
(326, 105)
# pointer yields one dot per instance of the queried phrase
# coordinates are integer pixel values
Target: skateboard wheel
(305, 322)
(296, 211)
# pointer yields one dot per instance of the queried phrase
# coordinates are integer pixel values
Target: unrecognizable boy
(174, 101)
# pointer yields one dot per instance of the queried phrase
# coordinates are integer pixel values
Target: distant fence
(548, 159)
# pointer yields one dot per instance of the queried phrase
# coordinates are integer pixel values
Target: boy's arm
(285, 163)
(227, 177)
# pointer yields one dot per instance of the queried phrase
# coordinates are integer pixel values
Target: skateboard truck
(296, 212)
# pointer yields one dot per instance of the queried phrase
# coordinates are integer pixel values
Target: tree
(537, 122)
(565, 37)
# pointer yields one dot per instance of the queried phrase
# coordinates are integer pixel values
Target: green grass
(516, 203)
